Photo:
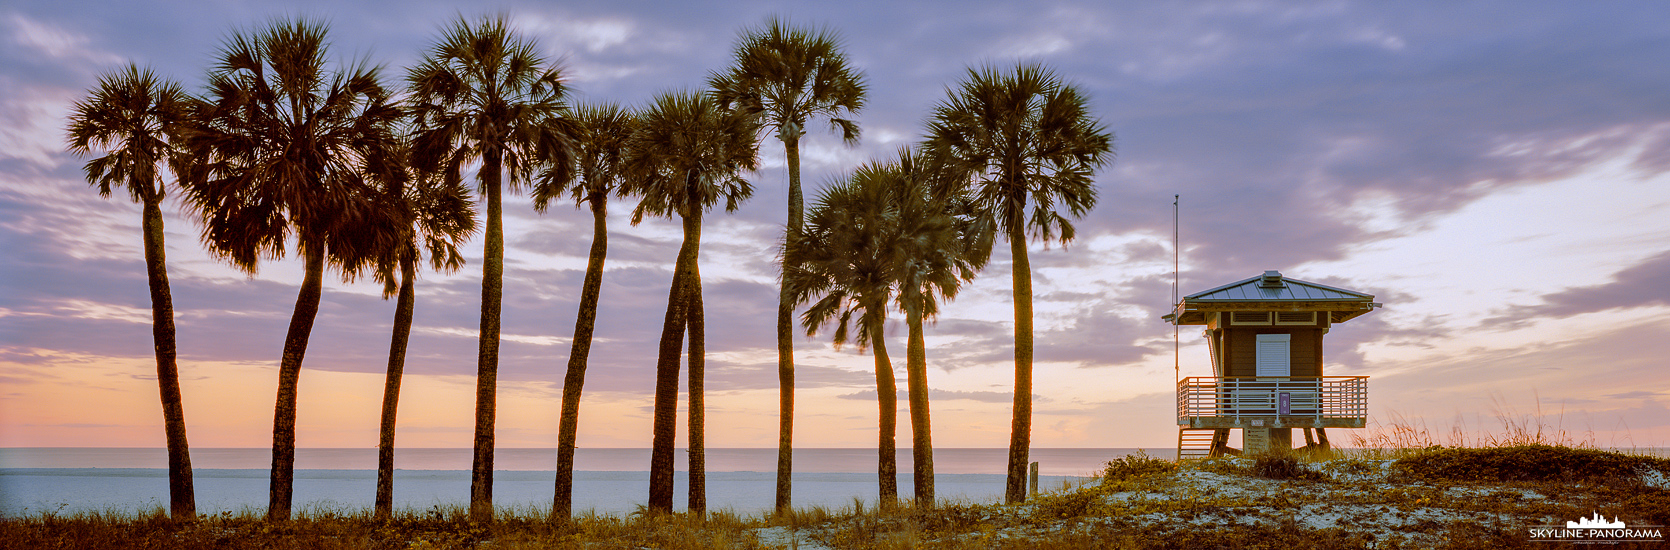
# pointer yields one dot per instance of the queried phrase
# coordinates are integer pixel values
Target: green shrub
(1280, 465)
(1136, 466)
(951, 518)
(1066, 506)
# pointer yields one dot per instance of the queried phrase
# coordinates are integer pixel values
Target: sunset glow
(1498, 177)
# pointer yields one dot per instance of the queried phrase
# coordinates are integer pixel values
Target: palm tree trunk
(698, 411)
(887, 397)
(785, 334)
(182, 499)
(289, 373)
(487, 360)
(562, 502)
(666, 371)
(1020, 427)
(391, 386)
(921, 440)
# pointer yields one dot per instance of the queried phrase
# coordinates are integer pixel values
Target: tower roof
(1272, 291)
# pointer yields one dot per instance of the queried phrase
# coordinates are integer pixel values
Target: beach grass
(1400, 435)
(437, 528)
(1402, 489)
(1443, 497)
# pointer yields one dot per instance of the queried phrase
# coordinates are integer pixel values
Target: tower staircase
(1198, 443)
(1194, 443)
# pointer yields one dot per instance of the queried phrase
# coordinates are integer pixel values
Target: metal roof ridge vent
(1271, 279)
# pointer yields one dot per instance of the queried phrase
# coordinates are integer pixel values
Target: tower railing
(1320, 397)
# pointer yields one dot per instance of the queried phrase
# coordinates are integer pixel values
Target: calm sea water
(37, 480)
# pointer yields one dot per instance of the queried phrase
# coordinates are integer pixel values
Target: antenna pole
(1176, 268)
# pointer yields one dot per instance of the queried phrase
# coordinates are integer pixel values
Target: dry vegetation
(436, 529)
(1435, 497)
(1407, 493)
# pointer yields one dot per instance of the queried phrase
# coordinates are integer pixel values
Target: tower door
(1274, 355)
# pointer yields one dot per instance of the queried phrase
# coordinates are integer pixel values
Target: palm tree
(847, 262)
(790, 74)
(284, 148)
(944, 246)
(433, 215)
(138, 119)
(1025, 141)
(600, 139)
(483, 93)
(687, 154)
(889, 232)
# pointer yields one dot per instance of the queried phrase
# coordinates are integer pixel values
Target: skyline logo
(1597, 529)
(1598, 522)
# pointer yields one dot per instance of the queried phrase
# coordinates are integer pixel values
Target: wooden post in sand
(1032, 481)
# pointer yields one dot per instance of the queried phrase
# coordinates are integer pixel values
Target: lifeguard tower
(1265, 336)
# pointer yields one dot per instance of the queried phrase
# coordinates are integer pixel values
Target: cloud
(1297, 133)
(1580, 367)
(727, 375)
(1269, 145)
(1099, 337)
(591, 35)
(33, 118)
(56, 43)
(1641, 285)
(79, 425)
(569, 239)
(1086, 323)
(950, 395)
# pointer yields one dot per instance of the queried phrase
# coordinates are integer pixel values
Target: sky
(1496, 173)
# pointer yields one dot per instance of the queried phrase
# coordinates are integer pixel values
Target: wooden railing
(1266, 396)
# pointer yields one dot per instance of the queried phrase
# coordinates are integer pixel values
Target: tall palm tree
(601, 134)
(483, 93)
(1028, 146)
(688, 154)
(789, 75)
(432, 215)
(286, 148)
(137, 119)
(847, 263)
(888, 233)
(944, 246)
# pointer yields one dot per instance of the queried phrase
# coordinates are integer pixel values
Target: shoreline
(607, 492)
(953, 460)
(1437, 497)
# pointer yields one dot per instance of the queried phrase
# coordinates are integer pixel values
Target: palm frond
(1024, 145)
(484, 88)
(283, 145)
(886, 234)
(600, 133)
(789, 74)
(687, 154)
(139, 120)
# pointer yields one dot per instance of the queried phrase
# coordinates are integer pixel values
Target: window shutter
(1274, 357)
(1295, 317)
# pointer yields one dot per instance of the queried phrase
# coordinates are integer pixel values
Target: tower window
(1295, 317)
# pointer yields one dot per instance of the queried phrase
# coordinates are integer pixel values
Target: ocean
(606, 481)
